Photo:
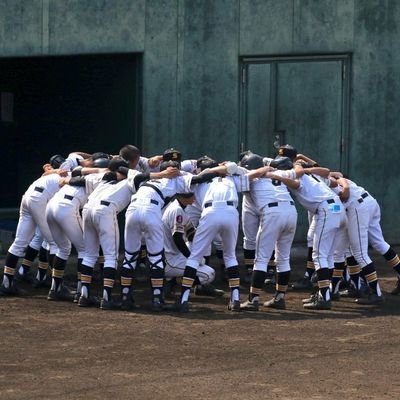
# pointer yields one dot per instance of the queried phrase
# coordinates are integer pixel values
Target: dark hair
(129, 153)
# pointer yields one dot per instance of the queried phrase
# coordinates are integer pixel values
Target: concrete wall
(191, 57)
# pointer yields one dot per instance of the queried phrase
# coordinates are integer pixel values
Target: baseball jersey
(160, 190)
(174, 220)
(311, 192)
(46, 185)
(71, 162)
(116, 193)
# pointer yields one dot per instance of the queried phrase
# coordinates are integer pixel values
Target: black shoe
(157, 304)
(92, 301)
(274, 303)
(234, 306)
(12, 290)
(353, 293)
(208, 290)
(250, 305)
(335, 296)
(310, 299)
(127, 304)
(182, 307)
(64, 294)
(110, 305)
(76, 297)
(318, 304)
(372, 300)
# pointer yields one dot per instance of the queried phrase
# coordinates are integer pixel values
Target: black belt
(39, 189)
(209, 204)
(363, 196)
(275, 204)
(105, 203)
(151, 201)
(330, 201)
(68, 197)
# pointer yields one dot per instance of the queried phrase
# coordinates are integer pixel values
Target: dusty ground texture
(57, 350)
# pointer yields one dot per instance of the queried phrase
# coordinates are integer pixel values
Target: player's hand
(62, 172)
(344, 195)
(155, 161)
(171, 172)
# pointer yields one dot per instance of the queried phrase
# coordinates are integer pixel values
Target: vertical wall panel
(160, 76)
(210, 79)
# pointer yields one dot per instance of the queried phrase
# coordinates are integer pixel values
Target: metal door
(302, 101)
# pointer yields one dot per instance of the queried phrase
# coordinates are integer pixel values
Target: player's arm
(286, 177)
(345, 188)
(180, 243)
(321, 171)
(307, 159)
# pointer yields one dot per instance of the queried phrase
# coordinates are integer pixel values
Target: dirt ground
(58, 350)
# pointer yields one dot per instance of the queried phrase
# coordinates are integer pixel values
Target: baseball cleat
(277, 304)
(318, 304)
(234, 306)
(64, 294)
(109, 305)
(91, 301)
(250, 305)
(11, 291)
(373, 299)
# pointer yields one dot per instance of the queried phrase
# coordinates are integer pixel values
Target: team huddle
(178, 210)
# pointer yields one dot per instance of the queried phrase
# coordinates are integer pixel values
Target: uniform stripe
(9, 271)
(57, 273)
(337, 273)
(323, 284)
(394, 261)
(86, 278)
(126, 281)
(235, 282)
(27, 263)
(187, 282)
(281, 288)
(372, 277)
(249, 261)
(256, 291)
(100, 259)
(43, 264)
(354, 269)
(157, 283)
(108, 282)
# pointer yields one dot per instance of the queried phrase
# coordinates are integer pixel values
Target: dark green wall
(191, 52)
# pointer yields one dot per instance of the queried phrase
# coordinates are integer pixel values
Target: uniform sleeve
(180, 220)
(242, 183)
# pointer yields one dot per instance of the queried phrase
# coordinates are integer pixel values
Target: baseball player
(315, 196)
(363, 213)
(63, 215)
(144, 219)
(101, 228)
(32, 210)
(277, 228)
(219, 216)
(250, 219)
(178, 229)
